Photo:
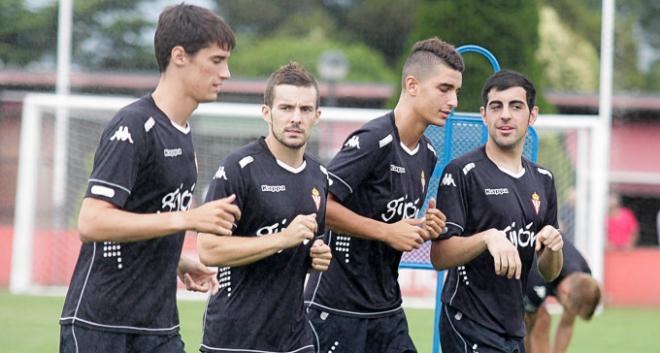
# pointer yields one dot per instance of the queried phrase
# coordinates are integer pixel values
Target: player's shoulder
(539, 170)
(374, 134)
(245, 155)
(315, 165)
(425, 142)
(139, 113)
(469, 161)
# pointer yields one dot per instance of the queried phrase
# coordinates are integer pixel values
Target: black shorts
(458, 334)
(343, 334)
(535, 296)
(77, 339)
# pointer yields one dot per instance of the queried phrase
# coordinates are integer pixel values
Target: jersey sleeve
(321, 233)
(360, 154)
(452, 200)
(121, 153)
(551, 215)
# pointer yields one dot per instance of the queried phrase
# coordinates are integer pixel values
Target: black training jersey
(259, 307)
(376, 176)
(573, 262)
(476, 195)
(144, 164)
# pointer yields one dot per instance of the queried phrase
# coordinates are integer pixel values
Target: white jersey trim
(252, 350)
(342, 181)
(109, 183)
(411, 152)
(512, 174)
(74, 319)
(183, 129)
(354, 313)
(456, 225)
(290, 168)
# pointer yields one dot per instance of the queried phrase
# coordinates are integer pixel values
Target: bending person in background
(122, 297)
(281, 192)
(576, 291)
(501, 210)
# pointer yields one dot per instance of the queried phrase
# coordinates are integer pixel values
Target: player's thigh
(389, 335)
(76, 339)
(460, 334)
(171, 343)
(336, 333)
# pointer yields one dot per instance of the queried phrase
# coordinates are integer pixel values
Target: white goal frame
(589, 174)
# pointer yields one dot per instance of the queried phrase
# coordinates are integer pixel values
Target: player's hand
(321, 255)
(197, 277)
(550, 237)
(434, 221)
(505, 255)
(406, 234)
(300, 230)
(215, 217)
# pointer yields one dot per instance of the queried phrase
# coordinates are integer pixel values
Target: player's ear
(482, 110)
(178, 55)
(265, 113)
(411, 85)
(533, 114)
(318, 116)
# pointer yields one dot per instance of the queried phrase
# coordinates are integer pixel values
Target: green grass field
(30, 324)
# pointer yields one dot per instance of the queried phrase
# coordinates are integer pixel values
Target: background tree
(509, 29)
(23, 33)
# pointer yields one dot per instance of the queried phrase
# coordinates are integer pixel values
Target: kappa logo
(273, 188)
(122, 134)
(448, 180)
(397, 169)
(353, 142)
(220, 174)
(500, 191)
(172, 152)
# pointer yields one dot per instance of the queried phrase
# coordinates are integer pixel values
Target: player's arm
(404, 235)
(459, 250)
(564, 332)
(551, 258)
(101, 220)
(197, 277)
(238, 250)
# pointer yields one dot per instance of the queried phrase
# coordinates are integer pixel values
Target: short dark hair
(426, 53)
(290, 74)
(193, 28)
(505, 79)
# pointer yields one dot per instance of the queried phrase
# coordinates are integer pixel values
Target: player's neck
(173, 101)
(292, 157)
(507, 159)
(409, 126)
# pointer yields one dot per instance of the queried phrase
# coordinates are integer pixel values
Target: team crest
(316, 195)
(423, 180)
(536, 200)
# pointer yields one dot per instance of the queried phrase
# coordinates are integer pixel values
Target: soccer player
(281, 192)
(576, 291)
(500, 209)
(378, 184)
(122, 297)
